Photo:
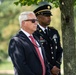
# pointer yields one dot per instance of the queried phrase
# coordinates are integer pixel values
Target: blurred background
(9, 25)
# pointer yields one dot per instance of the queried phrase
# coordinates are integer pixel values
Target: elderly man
(25, 50)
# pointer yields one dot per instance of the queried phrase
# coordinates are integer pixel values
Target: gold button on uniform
(56, 47)
(51, 47)
(42, 43)
(51, 52)
(52, 57)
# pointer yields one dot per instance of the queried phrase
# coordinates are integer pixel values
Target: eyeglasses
(32, 20)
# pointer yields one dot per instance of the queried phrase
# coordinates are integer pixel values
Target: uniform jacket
(51, 44)
(24, 57)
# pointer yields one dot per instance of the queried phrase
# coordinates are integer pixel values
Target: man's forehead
(31, 16)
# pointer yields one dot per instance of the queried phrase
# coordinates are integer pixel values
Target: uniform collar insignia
(40, 30)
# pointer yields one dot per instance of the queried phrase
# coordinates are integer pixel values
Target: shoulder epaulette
(51, 27)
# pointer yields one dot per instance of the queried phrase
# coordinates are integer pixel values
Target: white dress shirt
(27, 34)
(43, 29)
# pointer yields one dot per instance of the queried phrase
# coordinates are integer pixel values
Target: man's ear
(23, 22)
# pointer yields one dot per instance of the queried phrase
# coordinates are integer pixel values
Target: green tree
(8, 14)
(68, 30)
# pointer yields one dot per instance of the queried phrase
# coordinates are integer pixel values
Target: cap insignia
(48, 7)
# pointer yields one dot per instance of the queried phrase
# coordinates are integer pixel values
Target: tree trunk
(68, 33)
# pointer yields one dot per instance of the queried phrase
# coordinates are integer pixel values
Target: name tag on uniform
(42, 40)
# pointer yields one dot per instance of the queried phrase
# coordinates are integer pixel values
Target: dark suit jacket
(24, 56)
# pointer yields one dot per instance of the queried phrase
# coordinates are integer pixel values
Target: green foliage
(74, 2)
(3, 55)
(6, 65)
(8, 14)
(30, 2)
(26, 2)
(56, 3)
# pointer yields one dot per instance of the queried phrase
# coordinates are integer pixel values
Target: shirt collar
(43, 29)
(26, 33)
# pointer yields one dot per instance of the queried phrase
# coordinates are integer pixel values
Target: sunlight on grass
(6, 68)
(6, 65)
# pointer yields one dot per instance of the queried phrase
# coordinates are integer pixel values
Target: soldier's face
(44, 20)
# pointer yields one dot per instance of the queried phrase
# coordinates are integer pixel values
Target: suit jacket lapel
(26, 39)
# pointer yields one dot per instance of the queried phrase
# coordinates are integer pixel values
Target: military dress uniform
(51, 44)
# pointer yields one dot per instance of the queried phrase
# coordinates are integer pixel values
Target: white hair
(24, 16)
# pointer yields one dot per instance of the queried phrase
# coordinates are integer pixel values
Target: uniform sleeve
(18, 57)
(59, 52)
(48, 69)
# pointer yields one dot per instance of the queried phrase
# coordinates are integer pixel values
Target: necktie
(39, 55)
(46, 31)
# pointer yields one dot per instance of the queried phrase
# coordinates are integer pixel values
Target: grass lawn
(6, 65)
(6, 68)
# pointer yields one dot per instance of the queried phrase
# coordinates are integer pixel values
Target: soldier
(49, 37)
